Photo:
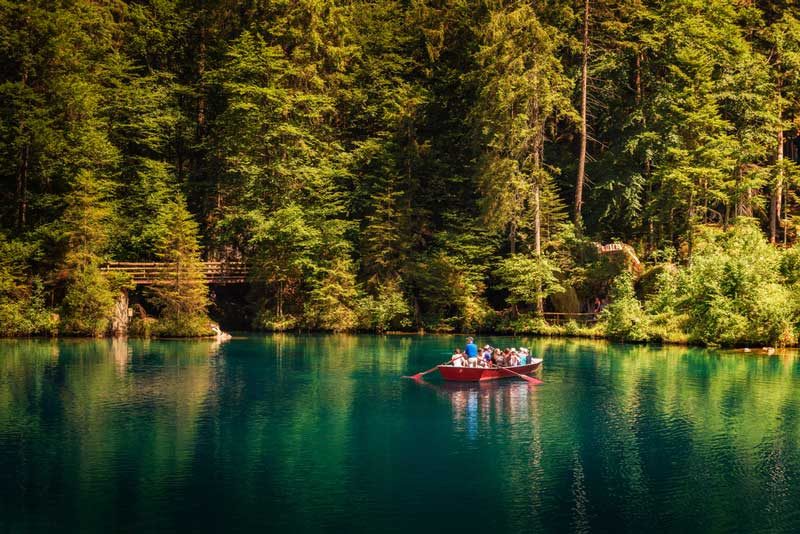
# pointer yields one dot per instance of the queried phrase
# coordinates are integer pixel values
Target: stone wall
(120, 315)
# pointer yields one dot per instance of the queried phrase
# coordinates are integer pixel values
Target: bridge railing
(563, 317)
(153, 273)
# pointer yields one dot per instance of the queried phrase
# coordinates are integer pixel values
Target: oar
(420, 375)
(530, 379)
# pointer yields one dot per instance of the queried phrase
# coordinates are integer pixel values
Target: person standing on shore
(471, 350)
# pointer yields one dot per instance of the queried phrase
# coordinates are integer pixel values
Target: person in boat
(471, 351)
(487, 356)
(513, 358)
(523, 356)
(502, 359)
(458, 359)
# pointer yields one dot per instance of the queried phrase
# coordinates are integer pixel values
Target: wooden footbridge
(236, 272)
(154, 273)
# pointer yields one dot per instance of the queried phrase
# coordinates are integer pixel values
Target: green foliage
(88, 296)
(385, 164)
(732, 291)
(385, 311)
(332, 303)
(176, 326)
(22, 305)
(789, 266)
(527, 279)
(180, 292)
(535, 325)
(450, 293)
(523, 90)
(86, 305)
(623, 317)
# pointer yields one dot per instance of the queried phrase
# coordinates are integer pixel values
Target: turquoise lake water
(319, 434)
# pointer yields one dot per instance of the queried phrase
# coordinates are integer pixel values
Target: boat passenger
(471, 351)
(496, 354)
(523, 356)
(458, 358)
(487, 356)
(513, 359)
(502, 359)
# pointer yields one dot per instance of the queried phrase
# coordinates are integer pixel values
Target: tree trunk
(584, 132)
(22, 186)
(779, 184)
(537, 239)
(785, 223)
(201, 70)
(22, 170)
(777, 194)
(537, 221)
(775, 203)
(691, 225)
(279, 301)
(727, 216)
(637, 82)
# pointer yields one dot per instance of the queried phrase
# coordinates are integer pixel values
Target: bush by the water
(735, 290)
(623, 317)
(22, 304)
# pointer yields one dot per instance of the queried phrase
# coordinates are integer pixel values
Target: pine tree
(693, 149)
(281, 156)
(333, 303)
(180, 291)
(524, 89)
(88, 295)
(783, 41)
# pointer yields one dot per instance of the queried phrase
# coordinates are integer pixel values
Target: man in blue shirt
(471, 351)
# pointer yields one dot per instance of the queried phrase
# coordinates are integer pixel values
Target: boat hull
(481, 374)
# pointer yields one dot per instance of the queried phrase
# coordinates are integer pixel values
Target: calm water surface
(318, 434)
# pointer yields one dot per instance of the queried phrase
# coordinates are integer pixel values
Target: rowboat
(479, 374)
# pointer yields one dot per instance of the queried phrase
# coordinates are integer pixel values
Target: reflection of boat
(479, 374)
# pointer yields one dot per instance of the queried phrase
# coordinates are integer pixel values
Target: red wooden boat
(479, 374)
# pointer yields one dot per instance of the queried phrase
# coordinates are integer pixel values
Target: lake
(286, 433)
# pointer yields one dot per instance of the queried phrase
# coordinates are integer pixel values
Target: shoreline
(744, 349)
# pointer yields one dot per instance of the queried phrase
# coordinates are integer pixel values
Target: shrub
(732, 290)
(623, 317)
(26, 314)
(88, 300)
(384, 311)
(191, 325)
(332, 302)
(22, 304)
(731, 293)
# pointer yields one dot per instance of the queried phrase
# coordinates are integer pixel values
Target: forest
(436, 165)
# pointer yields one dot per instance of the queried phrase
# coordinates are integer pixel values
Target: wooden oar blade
(529, 379)
(423, 373)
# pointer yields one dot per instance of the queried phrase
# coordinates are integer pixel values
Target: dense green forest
(446, 165)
